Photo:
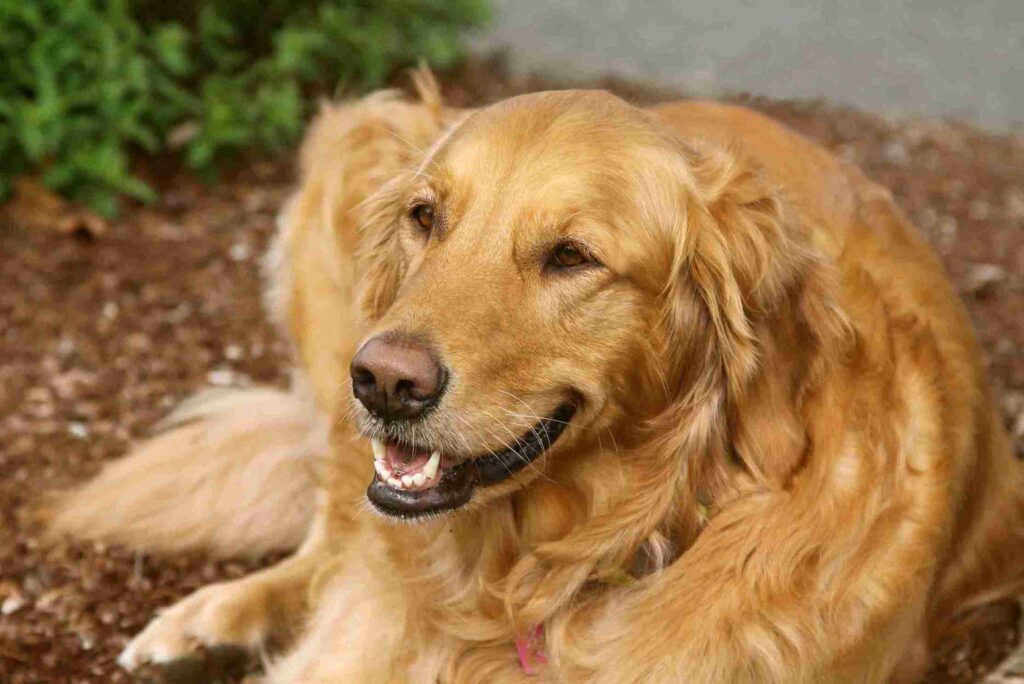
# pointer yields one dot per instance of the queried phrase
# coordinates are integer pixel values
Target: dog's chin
(415, 482)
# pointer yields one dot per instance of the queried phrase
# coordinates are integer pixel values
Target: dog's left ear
(746, 274)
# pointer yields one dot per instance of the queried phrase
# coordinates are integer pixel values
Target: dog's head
(557, 266)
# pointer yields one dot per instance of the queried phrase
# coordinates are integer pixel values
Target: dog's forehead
(558, 150)
(535, 168)
(567, 130)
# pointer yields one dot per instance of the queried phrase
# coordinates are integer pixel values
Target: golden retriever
(672, 395)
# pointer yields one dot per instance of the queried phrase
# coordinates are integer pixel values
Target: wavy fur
(785, 433)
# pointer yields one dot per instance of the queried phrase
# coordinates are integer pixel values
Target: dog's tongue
(405, 461)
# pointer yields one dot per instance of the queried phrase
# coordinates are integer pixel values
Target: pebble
(1014, 204)
(12, 604)
(225, 377)
(979, 210)
(79, 430)
(981, 278)
(240, 251)
(896, 153)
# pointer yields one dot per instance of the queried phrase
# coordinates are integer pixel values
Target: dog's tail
(232, 472)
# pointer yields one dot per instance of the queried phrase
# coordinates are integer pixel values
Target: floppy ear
(379, 258)
(753, 299)
(392, 137)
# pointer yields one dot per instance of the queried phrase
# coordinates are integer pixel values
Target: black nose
(396, 378)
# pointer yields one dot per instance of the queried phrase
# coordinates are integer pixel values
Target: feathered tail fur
(231, 472)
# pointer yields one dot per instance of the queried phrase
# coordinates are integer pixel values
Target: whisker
(530, 409)
(615, 444)
(545, 420)
(407, 142)
(543, 440)
(469, 449)
(363, 505)
(533, 413)
(529, 425)
(486, 448)
(515, 437)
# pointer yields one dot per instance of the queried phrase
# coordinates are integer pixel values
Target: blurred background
(146, 146)
(938, 57)
(86, 83)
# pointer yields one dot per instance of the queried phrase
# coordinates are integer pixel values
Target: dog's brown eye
(423, 215)
(569, 255)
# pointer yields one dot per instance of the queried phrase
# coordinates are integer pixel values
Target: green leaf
(170, 45)
(87, 84)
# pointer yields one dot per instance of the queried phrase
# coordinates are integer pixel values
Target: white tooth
(418, 479)
(430, 470)
(395, 482)
(381, 469)
(407, 480)
(378, 449)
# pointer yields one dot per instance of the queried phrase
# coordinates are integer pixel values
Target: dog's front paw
(216, 626)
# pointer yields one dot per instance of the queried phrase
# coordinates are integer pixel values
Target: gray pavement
(959, 58)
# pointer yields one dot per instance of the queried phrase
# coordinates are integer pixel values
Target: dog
(585, 393)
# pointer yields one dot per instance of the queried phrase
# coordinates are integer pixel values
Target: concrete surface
(960, 58)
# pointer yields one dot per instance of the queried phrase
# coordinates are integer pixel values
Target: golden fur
(785, 432)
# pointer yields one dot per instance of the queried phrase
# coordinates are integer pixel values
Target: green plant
(88, 82)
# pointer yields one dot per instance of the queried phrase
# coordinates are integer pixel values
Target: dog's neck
(491, 569)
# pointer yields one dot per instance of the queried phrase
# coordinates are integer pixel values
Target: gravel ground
(101, 336)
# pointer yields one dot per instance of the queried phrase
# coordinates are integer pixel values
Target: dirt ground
(100, 337)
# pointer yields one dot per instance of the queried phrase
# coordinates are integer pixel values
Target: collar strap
(530, 649)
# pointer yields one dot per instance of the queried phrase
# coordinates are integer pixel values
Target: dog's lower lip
(457, 482)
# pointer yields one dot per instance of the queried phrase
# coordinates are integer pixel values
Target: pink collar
(530, 648)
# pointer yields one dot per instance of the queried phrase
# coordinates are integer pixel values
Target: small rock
(181, 135)
(78, 429)
(66, 346)
(928, 218)
(896, 153)
(979, 210)
(180, 312)
(39, 394)
(222, 377)
(239, 252)
(256, 201)
(982, 278)
(69, 385)
(1014, 204)
(138, 342)
(12, 604)
(50, 599)
(948, 228)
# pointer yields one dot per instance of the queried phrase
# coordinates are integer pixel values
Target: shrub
(87, 82)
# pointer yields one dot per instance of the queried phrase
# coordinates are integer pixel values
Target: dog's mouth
(413, 482)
